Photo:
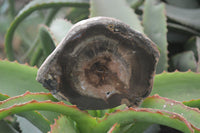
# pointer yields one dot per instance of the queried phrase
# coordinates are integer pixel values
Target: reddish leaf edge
(177, 71)
(26, 94)
(195, 103)
(15, 61)
(35, 102)
(4, 96)
(31, 115)
(113, 128)
(108, 118)
(175, 102)
(179, 103)
(50, 33)
(69, 110)
(61, 107)
(54, 124)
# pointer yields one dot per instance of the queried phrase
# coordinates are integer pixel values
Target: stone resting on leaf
(101, 63)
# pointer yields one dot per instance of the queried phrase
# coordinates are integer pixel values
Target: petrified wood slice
(100, 64)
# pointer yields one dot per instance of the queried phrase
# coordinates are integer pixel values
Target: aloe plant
(174, 102)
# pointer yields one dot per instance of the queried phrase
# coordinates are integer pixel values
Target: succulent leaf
(63, 124)
(180, 86)
(16, 79)
(155, 27)
(121, 11)
(192, 115)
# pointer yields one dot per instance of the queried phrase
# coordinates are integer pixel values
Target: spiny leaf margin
(22, 77)
(69, 110)
(175, 85)
(192, 115)
(132, 115)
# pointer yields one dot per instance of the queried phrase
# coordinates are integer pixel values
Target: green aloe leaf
(180, 86)
(31, 7)
(184, 3)
(34, 117)
(184, 61)
(131, 115)
(101, 113)
(16, 79)
(188, 17)
(36, 56)
(178, 34)
(73, 112)
(3, 97)
(192, 115)
(26, 98)
(181, 30)
(198, 53)
(58, 29)
(48, 44)
(192, 45)
(77, 14)
(63, 124)
(138, 127)
(155, 27)
(126, 116)
(115, 128)
(120, 11)
(193, 103)
(135, 3)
